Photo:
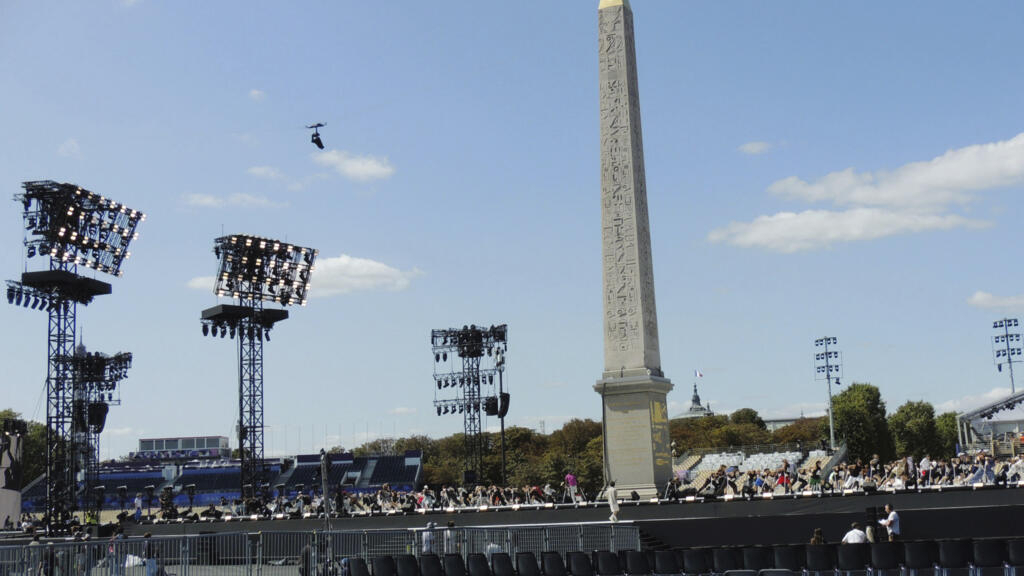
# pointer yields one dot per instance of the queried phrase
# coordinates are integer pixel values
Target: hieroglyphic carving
(631, 328)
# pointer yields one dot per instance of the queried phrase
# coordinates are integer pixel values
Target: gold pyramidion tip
(612, 3)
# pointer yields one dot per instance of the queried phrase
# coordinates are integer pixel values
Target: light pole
(1006, 347)
(828, 366)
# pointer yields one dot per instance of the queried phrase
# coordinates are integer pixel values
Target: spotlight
(437, 357)
(10, 295)
(223, 331)
(438, 384)
(315, 139)
(438, 410)
(445, 355)
(206, 329)
(266, 334)
(17, 298)
(31, 251)
(232, 332)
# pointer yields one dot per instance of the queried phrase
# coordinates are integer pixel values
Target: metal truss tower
(470, 344)
(70, 226)
(254, 270)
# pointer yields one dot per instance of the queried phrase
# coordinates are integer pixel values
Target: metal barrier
(295, 553)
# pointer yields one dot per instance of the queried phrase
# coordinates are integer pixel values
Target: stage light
(266, 334)
(223, 331)
(437, 357)
(31, 251)
(10, 295)
(232, 333)
(206, 329)
(438, 410)
(438, 384)
(17, 298)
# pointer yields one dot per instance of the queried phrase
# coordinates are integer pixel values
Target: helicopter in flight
(315, 136)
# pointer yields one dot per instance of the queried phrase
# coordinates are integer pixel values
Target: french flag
(697, 373)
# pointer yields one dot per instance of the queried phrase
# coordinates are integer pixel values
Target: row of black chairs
(988, 557)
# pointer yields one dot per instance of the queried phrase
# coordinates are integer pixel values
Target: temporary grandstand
(216, 480)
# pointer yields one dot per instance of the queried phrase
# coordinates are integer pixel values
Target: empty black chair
(886, 556)
(407, 565)
(665, 563)
(384, 566)
(607, 564)
(853, 558)
(636, 563)
(791, 557)
(579, 564)
(477, 565)
(501, 564)
(920, 556)
(776, 572)
(454, 565)
(357, 567)
(726, 559)
(955, 557)
(695, 562)
(1014, 556)
(757, 558)
(989, 556)
(552, 563)
(526, 564)
(820, 558)
(430, 565)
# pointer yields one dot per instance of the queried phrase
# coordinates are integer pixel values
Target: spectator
(855, 535)
(817, 537)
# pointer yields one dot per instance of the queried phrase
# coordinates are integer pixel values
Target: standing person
(149, 553)
(891, 522)
(570, 485)
(428, 538)
(613, 501)
(817, 537)
(138, 507)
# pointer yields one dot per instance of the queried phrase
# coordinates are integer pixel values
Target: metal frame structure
(255, 270)
(472, 344)
(828, 366)
(70, 226)
(1006, 347)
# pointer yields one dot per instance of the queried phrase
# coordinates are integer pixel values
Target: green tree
(913, 430)
(806, 430)
(947, 434)
(690, 433)
(33, 448)
(747, 416)
(859, 415)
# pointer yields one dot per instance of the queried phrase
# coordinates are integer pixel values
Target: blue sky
(849, 170)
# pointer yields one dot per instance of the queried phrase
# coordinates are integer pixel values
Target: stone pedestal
(636, 434)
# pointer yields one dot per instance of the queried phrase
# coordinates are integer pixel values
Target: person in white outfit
(613, 501)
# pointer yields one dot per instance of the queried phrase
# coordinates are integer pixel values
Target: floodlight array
(100, 372)
(255, 268)
(75, 226)
(21, 295)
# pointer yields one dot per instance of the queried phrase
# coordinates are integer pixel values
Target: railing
(279, 553)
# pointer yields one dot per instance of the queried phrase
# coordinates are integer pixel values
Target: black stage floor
(990, 512)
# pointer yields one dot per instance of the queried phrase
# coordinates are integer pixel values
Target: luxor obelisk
(633, 389)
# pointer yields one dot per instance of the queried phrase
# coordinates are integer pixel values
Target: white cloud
(972, 401)
(265, 172)
(933, 184)
(69, 149)
(257, 94)
(345, 274)
(916, 197)
(238, 199)
(202, 283)
(756, 148)
(789, 232)
(354, 167)
(401, 411)
(987, 301)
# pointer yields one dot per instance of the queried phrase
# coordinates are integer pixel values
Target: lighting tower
(96, 381)
(468, 385)
(1006, 347)
(254, 270)
(828, 367)
(70, 226)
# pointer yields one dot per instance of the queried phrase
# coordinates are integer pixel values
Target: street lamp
(828, 367)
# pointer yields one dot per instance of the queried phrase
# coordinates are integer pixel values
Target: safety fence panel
(388, 543)
(527, 540)
(596, 537)
(564, 538)
(486, 540)
(282, 553)
(624, 538)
